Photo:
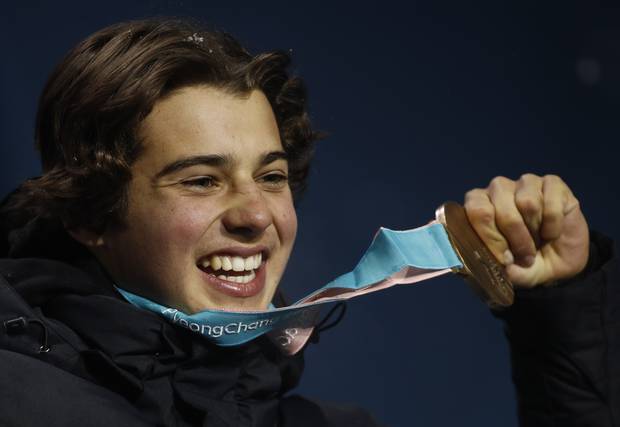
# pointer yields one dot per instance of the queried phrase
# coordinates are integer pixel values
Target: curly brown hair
(97, 96)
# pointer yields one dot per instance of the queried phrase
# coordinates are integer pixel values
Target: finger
(558, 201)
(529, 202)
(481, 215)
(510, 222)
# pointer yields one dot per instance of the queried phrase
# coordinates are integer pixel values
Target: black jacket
(565, 346)
(73, 352)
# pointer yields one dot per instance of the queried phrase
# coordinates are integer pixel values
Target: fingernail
(529, 260)
(508, 257)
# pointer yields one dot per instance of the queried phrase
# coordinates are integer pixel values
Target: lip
(237, 290)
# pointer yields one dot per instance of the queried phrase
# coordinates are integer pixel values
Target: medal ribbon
(394, 257)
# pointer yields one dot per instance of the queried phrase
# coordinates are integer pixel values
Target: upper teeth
(235, 263)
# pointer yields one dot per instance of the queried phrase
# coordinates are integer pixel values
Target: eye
(200, 182)
(275, 180)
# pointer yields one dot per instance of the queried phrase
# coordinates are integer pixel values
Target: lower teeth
(238, 279)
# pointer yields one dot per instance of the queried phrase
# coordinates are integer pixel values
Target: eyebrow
(215, 160)
(272, 157)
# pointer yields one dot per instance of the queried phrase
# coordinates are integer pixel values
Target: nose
(248, 216)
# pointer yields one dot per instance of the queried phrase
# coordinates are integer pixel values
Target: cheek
(186, 224)
(287, 224)
(164, 219)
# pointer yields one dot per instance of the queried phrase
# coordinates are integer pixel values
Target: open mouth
(232, 268)
(235, 275)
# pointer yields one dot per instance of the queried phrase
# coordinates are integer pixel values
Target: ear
(88, 238)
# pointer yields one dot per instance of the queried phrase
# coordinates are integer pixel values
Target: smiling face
(210, 220)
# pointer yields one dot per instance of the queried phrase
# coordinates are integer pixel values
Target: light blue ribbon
(426, 248)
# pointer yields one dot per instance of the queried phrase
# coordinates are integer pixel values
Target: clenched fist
(533, 226)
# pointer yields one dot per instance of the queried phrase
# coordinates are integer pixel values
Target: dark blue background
(422, 101)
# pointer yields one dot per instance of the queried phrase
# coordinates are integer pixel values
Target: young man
(171, 162)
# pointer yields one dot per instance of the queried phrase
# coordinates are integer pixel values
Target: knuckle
(527, 204)
(481, 214)
(499, 182)
(553, 179)
(513, 227)
(474, 194)
(509, 223)
(528, 176)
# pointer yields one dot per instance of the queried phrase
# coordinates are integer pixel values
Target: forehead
(200, 120)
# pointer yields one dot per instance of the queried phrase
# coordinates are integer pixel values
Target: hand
(533, 226)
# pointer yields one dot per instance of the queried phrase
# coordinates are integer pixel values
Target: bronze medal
(481, 270)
